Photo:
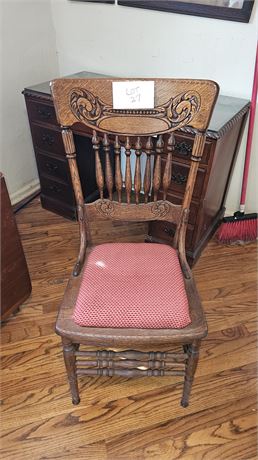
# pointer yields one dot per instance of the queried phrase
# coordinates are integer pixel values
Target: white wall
(123, 41)
(118, 41)
(28, 56)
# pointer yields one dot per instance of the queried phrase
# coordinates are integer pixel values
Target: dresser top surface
(225, 111)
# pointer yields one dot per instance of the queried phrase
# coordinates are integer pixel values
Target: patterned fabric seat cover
(132, 285)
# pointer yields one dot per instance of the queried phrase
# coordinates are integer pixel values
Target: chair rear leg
(193, 351)
(69, 358)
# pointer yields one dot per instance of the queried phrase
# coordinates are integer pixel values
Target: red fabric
(132, 285)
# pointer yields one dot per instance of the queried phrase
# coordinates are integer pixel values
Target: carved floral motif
(85, 105)
(160, 209)
(112, 209)
(176, 112)
(105, 207)
(182, 108)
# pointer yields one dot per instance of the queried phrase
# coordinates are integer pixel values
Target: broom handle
(249, 135)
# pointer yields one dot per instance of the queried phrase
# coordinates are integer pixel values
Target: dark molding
(222, 131)
(195, 9)
(36, 95)
(95, 1)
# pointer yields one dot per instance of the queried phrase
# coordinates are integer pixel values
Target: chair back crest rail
(147, 132)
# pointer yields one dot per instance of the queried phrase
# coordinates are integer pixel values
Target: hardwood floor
(120, 418)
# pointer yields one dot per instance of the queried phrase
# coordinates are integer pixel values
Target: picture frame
(230, 10)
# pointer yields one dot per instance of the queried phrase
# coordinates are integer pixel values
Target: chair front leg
(193, 352)
(70, 363)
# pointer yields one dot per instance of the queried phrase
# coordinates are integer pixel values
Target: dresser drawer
(57, 190)
(164, 231)
(49, 140)
(184, 147)
(41, 112)
(53, 167)
(179, 178)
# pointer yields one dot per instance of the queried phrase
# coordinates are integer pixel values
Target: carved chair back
(87, 104)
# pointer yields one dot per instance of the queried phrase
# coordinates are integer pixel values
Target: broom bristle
(242, 230)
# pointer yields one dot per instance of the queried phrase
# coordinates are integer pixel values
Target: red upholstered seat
(132, 285)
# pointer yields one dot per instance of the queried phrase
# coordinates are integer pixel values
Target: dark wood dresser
(15, 278)
(207, 209)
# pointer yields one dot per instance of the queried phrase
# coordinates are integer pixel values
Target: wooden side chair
(125, 298)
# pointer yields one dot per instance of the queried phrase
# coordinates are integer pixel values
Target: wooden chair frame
(86, 104)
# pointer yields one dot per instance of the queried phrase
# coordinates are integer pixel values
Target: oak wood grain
(177, 103)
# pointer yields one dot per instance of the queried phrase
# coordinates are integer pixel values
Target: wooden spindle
(98, 167)
(108, 169)
(133, 354)
(129, 372)
(137, 175)
(168, 166)
(157, 169)
(118, 172)
(127, 364)
(128, 174)
(147, 175)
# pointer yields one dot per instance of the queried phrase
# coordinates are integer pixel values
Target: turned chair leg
(193, 352)
(69, 358)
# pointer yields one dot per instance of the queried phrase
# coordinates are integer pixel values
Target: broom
(243, 227)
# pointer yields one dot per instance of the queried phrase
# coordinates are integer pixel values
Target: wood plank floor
(120, 418)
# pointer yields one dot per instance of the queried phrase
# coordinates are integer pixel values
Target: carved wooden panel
(177, 103)
(158, 210)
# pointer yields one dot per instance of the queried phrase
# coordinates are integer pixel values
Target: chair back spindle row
(140, 185)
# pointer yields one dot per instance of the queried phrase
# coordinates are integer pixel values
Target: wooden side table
(15, 278)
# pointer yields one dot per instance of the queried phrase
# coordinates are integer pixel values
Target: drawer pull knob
(169, 231)
(183, 148)
(44, 114)
(48, 139)
(179, 178)
(55, 189)
(51, 167)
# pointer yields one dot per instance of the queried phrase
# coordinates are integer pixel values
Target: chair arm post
(196, 157)
(70, 151)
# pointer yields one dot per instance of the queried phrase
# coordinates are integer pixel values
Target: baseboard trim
(229, 212)
(27, 190)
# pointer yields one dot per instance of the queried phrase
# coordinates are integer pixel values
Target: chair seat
(132, 285)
